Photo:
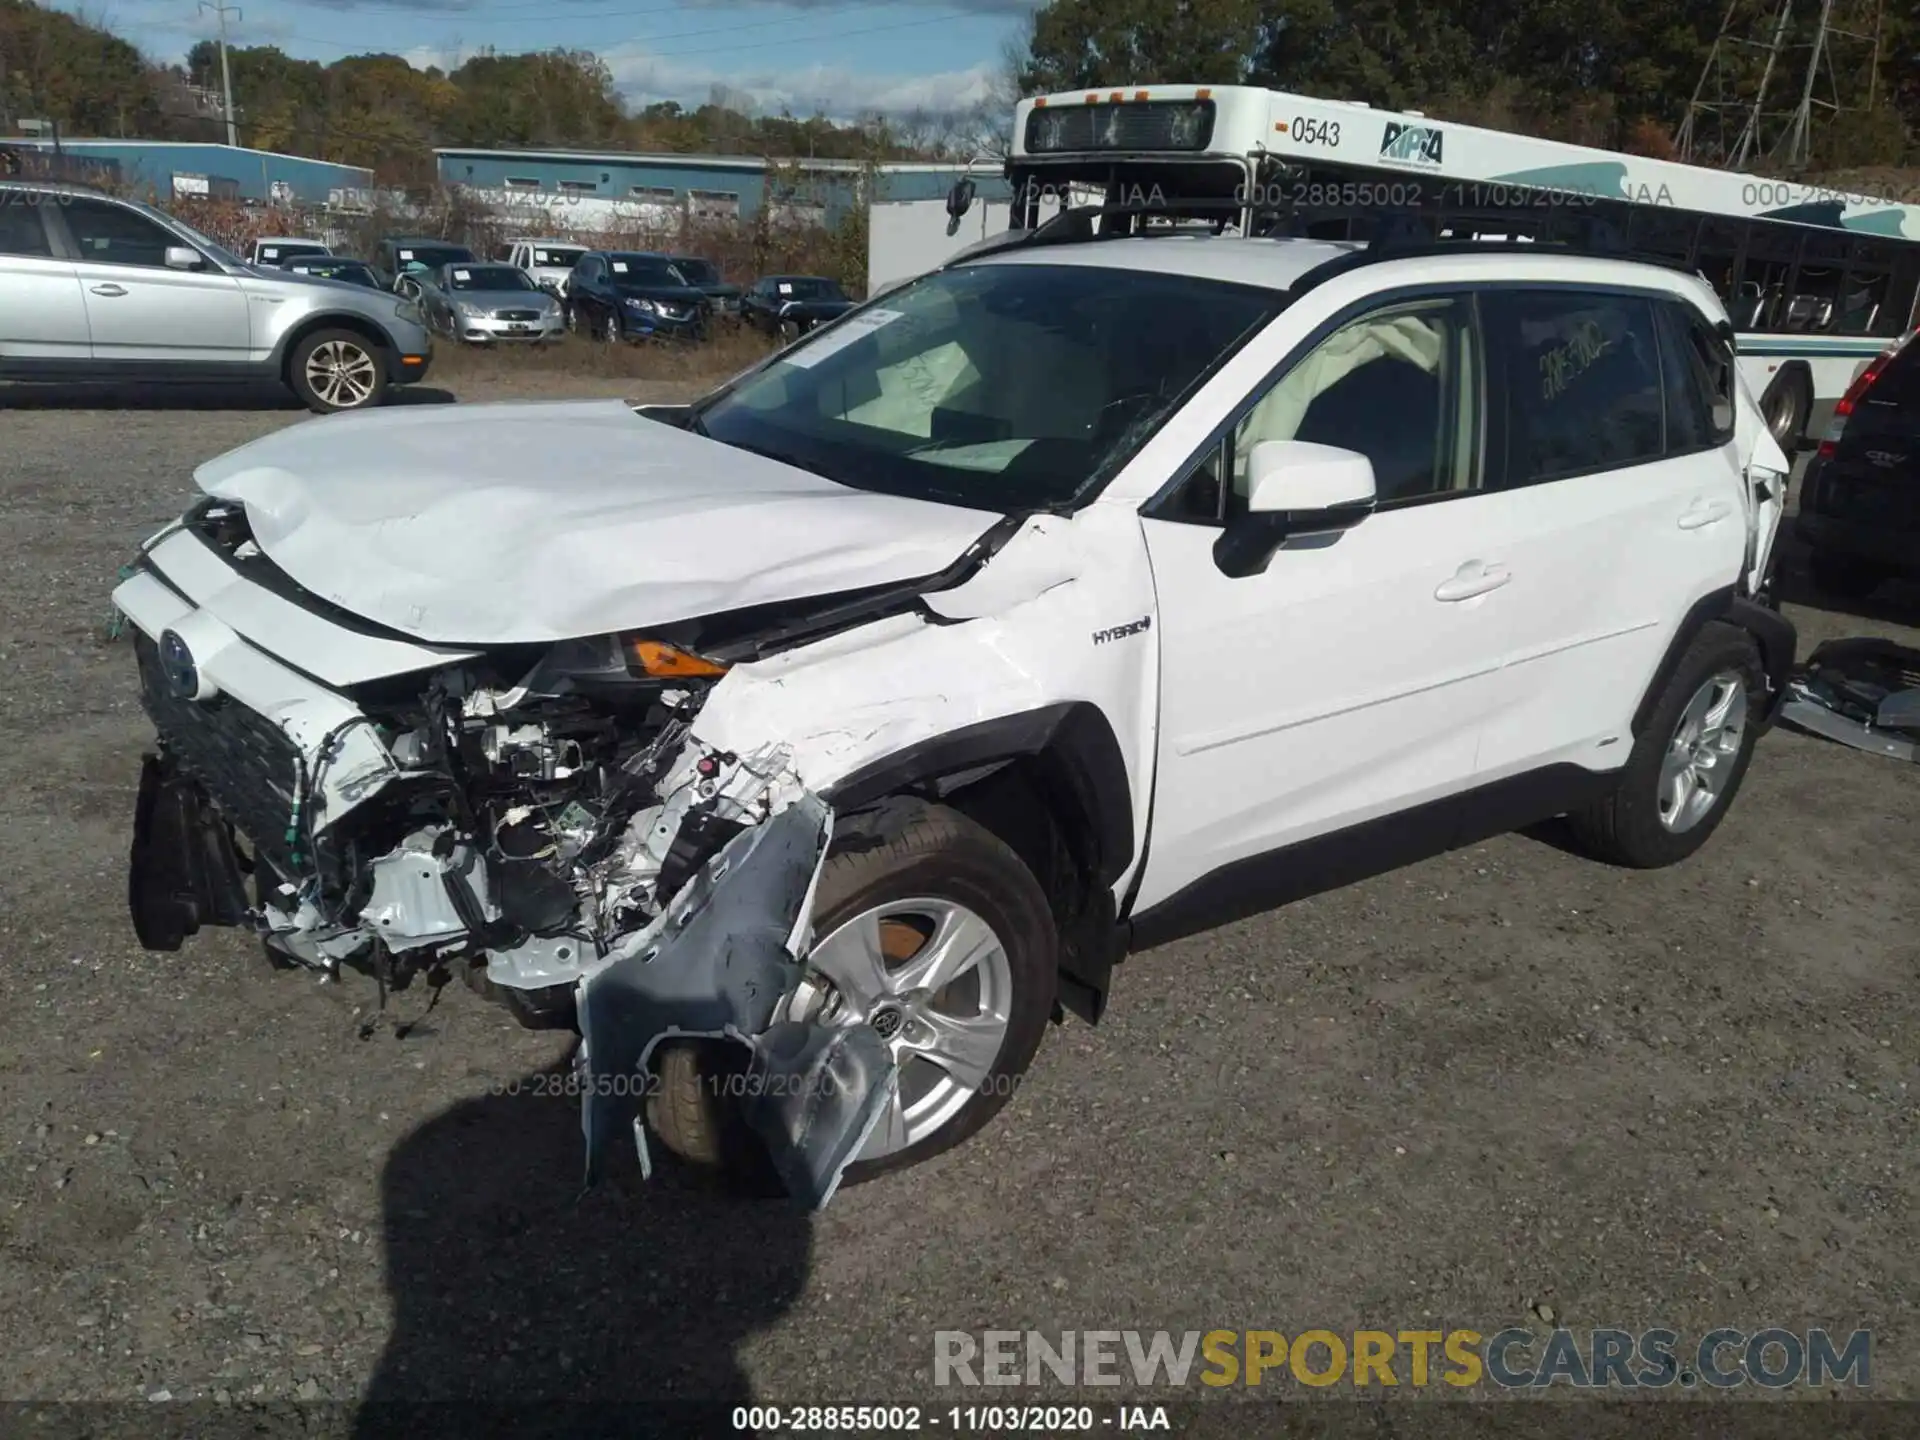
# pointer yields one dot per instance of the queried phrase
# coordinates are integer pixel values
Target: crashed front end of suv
(374, 787)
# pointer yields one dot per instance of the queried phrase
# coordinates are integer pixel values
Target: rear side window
(1581, 383)
(21, 232)
(1698, 368)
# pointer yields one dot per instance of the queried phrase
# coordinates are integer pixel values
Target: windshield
(698, 272)
(630, 271)
(488, 277)
(1001, 387)
(557, 258)
(351, 270)
(280, 253)
(430, 257)
(807, 287)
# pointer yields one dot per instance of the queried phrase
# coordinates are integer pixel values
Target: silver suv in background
(93, 287)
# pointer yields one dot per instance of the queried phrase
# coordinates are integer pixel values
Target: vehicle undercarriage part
(1864, 693)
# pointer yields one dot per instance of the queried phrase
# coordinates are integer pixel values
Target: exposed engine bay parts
(1864, 693)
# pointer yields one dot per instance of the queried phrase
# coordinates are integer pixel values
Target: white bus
(1817, 282)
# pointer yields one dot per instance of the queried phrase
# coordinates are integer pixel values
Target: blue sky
(833, 56)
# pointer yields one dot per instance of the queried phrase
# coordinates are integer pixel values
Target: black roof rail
(1074, 224)
(1390, 243)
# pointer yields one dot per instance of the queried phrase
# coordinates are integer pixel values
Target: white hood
(528, 522)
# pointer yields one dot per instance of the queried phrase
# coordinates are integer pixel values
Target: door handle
(1471, 579)
(1703, 513)
(108, 290)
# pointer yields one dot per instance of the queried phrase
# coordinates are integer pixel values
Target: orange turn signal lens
(665, 662)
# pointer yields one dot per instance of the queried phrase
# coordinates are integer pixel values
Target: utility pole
(226, 75)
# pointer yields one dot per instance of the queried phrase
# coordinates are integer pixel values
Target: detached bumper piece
(1864, 693)
(718, 963)
(185, 871)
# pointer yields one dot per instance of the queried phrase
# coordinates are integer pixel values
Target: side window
(111, 235)
(1579, 382)
(1399, 385)
(21, 232)
(1698, 371)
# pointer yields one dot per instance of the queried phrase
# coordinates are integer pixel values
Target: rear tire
(336, 370)
(1702, 727)
(1844, 578)
(938, 856)
(1787, 406)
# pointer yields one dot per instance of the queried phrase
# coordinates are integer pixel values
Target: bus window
(1668, 234)
(1815, 302)
(1719, 260)
(1764, 277)
(1863, 298)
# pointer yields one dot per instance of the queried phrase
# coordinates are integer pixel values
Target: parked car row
(535, 289)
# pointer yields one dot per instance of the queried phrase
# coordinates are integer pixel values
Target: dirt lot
(1503, 1085)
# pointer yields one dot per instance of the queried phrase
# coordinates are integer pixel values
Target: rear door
(1614, 518)
(42, 314)
(138, 309)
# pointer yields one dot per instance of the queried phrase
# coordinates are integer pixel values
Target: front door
(138, 309)
(1352, 678)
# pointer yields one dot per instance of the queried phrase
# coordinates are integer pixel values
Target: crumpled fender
(717, 963)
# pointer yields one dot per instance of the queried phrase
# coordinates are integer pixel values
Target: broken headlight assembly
(604, 663)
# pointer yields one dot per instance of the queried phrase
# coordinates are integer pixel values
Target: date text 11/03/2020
(960, 1419)
(644, 1084)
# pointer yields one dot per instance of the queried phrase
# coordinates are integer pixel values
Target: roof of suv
(1279, 263)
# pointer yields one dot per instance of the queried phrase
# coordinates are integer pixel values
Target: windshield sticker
(463, 276)
(619, 267)
(786, 289)
(271, 252)
(406, 254)
(843, 334)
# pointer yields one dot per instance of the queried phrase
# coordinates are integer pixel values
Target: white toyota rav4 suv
(837, 732)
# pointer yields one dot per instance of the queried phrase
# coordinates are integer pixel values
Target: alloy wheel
(934, 980)
(1705, 747)
(342, 374)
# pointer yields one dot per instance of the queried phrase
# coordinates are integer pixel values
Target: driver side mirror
(1295, 488)
(183, 257)
(959, 201)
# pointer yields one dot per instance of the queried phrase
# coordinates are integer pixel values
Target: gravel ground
(1506, 1084)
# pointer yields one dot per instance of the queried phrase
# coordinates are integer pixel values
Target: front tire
(335, 370)
(942, 939)
(1687, 764)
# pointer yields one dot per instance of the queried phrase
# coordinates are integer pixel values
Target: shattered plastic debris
(717, 963)
(1864, 693)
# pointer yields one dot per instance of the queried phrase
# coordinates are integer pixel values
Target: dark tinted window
(1582, 382)
(111, 235)
(699, 272)
(21, 232)
(643, 270)
(1698, 370)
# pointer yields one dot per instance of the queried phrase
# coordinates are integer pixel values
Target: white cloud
(644, 78)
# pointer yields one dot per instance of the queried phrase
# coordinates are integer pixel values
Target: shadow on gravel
(523, 1306)
(181, 395)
